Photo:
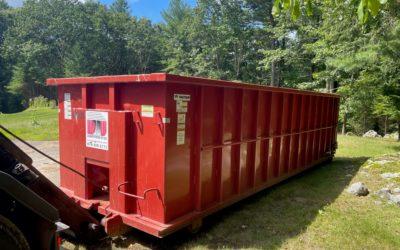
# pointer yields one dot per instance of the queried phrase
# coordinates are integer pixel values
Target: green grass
(353, 146)
(33, 124)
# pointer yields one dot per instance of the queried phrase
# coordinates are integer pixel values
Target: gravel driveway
(43, 164)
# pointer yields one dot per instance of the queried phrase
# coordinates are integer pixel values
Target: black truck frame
(32, 209)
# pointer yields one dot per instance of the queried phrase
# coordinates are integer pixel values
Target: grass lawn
(33, 124)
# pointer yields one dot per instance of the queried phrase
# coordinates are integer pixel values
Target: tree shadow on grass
(264, 220)
(397, 146)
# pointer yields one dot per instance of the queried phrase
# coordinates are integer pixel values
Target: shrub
(41, 102)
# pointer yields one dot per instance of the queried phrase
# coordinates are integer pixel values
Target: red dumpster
(174, 149)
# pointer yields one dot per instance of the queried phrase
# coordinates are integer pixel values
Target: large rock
(391, 136)
(358, 189)
(371, 134)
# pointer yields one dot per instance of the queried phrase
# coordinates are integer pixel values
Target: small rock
(358, 189)
(371, 134)
(349, 175)
(363, 173)
(382, 162)
(395, 198)
(378, 202)
(390, 185)
(243, 226)
(396, 190)
(389, 176)
(384, 193)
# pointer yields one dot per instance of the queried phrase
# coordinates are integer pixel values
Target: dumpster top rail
(171, 78)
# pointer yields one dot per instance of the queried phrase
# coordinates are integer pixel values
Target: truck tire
(10, 236)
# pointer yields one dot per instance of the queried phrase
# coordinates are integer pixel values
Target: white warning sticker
(181, 97)
(67, 106)
(147, 110)
(181, 118)
(181, 110)
(180, 137)
(97, 130)
(181, 106)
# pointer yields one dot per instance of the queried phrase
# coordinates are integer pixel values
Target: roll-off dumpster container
(173, 149)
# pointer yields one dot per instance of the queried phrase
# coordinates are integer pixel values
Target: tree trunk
(275, 74)
(274, 64)
(398, 130)
(386, 124)
(327, 86)
(344, 123)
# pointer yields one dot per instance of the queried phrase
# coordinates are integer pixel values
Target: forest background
(324, 45)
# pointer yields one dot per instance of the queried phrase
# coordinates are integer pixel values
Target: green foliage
(327, 48)
(384, 106)
(359, 58)
(41, 102)
(390, 68)
(57, 38)
(176, 41)
(365, 7)
(120, 6)
(215, 39)
(292, 6)
(5, 65)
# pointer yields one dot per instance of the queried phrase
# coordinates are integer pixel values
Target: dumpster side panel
(294, 129)
(248, 140)
(263, 134)
(211, 135)
(179, 165)
(69, 97)
(275, 126)
(135, 154)
(146, 102)
(98, 97)
(231, 131)
(258, 124)
(285, 132)
(248, 132)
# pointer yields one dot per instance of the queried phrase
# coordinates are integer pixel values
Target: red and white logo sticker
(97, 130)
